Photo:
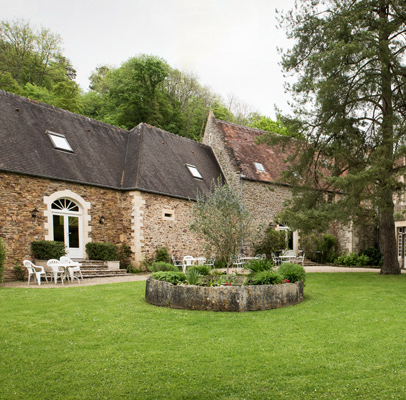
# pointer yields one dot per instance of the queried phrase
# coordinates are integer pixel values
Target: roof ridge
(173, 134)
(245, 127)
(56, 109)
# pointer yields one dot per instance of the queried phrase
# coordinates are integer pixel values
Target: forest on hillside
(145, 88)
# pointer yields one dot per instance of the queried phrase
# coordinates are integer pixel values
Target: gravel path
(143, 277)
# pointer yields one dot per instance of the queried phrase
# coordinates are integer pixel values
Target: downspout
(242, 206)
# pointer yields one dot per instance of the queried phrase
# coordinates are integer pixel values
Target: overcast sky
(230, 44)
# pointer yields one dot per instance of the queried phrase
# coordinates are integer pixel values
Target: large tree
(349, 62)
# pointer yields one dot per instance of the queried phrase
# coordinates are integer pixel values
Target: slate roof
(145, 158)
(240, 141)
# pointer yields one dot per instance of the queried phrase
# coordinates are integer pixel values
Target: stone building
(254, 171)
(69, 178)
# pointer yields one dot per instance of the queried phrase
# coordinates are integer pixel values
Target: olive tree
(222, 220)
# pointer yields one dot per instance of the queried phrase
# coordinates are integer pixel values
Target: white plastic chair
(187, 262)
(177, 263)
(73, 267)
(58, 271)
(35, 270)
(300, 259)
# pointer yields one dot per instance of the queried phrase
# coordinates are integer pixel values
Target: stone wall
(164, 221)
(223, 298)
(20, 194)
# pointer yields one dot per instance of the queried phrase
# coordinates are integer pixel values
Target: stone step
(97, 273)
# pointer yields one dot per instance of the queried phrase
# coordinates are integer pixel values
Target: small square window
(259, 167)
(194, 171)
(168, 215)
(59, 141)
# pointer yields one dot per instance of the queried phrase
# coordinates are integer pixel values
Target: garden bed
(223, 298)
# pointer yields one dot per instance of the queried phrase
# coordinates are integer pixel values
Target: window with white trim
(259, 167)
(194, 171)
(59, 141)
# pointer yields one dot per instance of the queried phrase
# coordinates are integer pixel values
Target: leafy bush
(193, 276)
(161, 266)
(292, 272)
(267, 278)
(352, 259)
(319, 245)
(219, 264)
(163, 255)
(201, 269)
(125, 256)
(259, 265)
(2, 258)
(375, 256)
(271, 242)
(174, 277)
(102, 251)
(19, 271)
(47, 249)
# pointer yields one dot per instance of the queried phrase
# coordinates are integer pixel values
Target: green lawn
(346, 340)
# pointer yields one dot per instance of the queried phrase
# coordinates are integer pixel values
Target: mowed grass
(346, 340)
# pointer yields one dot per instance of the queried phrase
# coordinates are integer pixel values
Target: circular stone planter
(223, 298)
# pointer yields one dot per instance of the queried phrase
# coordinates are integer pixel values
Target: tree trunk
(388, 239)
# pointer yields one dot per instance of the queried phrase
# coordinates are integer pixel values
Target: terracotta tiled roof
(241, 141)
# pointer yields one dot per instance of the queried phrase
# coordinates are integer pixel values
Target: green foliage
(374, 255)
(325, 243)
(201, 269)
(222, 221)
(292, 272)
(352, 259)
(2, 258)
(174, 277)
(193, 276)
(270, 242)
(267, 278)
(125, 256)
(355, 133)
(19, 271)
(31, 65)
(161, 266)
(163, 255)
(102, 251)
(47, 249)
(256, 266)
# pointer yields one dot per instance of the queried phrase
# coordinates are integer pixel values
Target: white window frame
(59, 141)
(194, 171)
(259, 167)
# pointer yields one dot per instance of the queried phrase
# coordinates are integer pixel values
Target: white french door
(66, 224)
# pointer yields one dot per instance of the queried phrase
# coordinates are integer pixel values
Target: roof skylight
(259, 167)
(194, 171)
(59, 141)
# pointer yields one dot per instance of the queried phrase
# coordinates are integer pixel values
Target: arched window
(65, 205)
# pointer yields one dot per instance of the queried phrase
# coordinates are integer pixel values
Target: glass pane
(59, 235)
(74, 232)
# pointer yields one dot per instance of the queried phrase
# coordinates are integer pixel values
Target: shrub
(47, 249)
(161, 266)
(102, 251)
(174, 277)
(125, 255)
(352, 259)
(272, 242)
(267, 278)
(162, 255)
(292, 272)
(2, 258)
(219, 264)
(259, 265)
(375, 256)
(201, 269)
(319, 245)
(193, 276)
(19, 271)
